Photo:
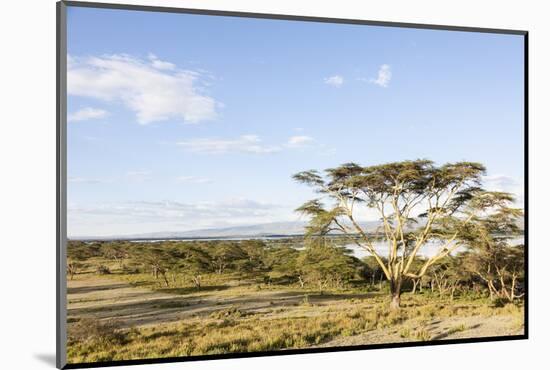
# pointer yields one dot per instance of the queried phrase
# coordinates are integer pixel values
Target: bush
(103, 270)
(422, 335)
(130, 270)
(93, 330)
(500, 302)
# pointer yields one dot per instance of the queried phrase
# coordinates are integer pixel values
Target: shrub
(456, 329)
(90, 329)
(103, 270)
(405, 333)
(422, 334)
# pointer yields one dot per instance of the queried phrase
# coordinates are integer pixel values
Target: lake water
(382, 248)
(428, 250)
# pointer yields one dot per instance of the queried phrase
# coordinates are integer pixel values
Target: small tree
(117, 251)
(195, 261)
(73, 267)
(372, 271)
(226, 255)
(447, 275)
(491, 256)
(156, 258)
(281, 261)
(448, 197)
(78, 253)
(324, 265)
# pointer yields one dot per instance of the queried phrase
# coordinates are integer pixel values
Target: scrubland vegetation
(268, 296)
(134, 300)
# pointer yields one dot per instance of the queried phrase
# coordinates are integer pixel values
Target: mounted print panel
(240, 185)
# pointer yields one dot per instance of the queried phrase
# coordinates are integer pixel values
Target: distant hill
(248, 231)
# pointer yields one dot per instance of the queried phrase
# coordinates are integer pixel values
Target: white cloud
(160, 64)
(193, 180)
(155, 90)
(244, 144)
(168, 209)
(335, 81)
(384, 76)
(135, 217)
(506, 184)
(299, 141)
(87, 113)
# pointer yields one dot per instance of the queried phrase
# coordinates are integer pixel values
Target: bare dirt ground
(137, 306)
(131, 306)
(474, 327)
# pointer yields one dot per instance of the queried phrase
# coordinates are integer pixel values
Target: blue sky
(181, 122)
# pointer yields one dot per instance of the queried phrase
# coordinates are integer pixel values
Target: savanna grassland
(165, 299)
(444, 262)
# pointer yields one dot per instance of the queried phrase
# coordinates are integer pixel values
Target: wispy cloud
(299, 141)
(384, 76)
(252, 144)
(507, 184)
(244, 144)
(161, 64)
(155, 90)
(124, 217)
(87, 113)
(334, 81)
(193, 180)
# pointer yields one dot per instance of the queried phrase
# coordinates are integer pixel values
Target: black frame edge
(288, 352)
(526, 180)
(61, 159)
(289, 17)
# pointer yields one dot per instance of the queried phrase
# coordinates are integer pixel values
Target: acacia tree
(447, 197)
(195, 261)
(117, 251)
(156, 258)
(323, 265)
(447, 275)
(281, 262)
(491, 256)
(372, 271)
(226, 255)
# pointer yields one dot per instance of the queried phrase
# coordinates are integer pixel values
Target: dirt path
(129, 306)
(135, 306)
(437, 329)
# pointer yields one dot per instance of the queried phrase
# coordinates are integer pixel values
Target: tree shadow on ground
(190, 290)
(95, 288)
(448, 332)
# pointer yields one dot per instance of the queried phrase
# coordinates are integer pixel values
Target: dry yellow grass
(250, 318)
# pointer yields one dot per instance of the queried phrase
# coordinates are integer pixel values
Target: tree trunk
(415, 283)
(302, 283)
(395, 301)
(395, 288)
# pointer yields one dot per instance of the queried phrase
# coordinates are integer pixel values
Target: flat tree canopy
(416, 200)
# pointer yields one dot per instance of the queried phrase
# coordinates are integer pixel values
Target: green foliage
(455, 209)
(325, 265)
